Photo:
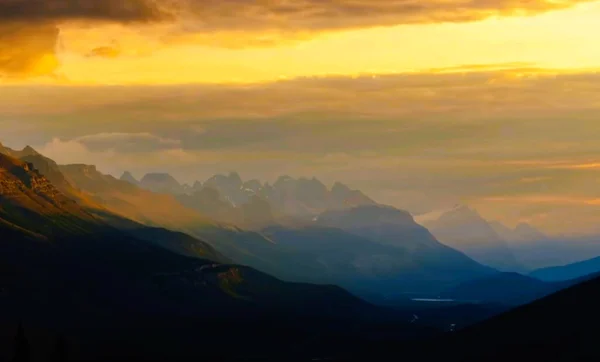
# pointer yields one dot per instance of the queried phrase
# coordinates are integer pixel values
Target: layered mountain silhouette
(464, 229)
(230, 198)
(65, 268)
(125, 272)
(523, 232)
(392, 252)
(424, 256)
(569, 271)
(403, 258)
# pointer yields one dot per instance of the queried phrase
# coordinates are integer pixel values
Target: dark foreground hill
(562, 327)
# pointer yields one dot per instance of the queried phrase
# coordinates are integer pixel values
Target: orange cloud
(544, 199)
(234, 24)
(27, 51)
(579, 166)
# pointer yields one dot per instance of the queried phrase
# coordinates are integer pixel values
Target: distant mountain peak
(234, 176)
(283, 179)
(127, 176)
(338, 186)
(28, 150)
(161, 182)
(463, 212)
(158, 176)
(463, 228)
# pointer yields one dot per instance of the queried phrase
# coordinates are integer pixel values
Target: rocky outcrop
(17, 177)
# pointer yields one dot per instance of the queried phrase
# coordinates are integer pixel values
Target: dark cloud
(29, 29)
(60, 10)
(336, 14)
(281, 14)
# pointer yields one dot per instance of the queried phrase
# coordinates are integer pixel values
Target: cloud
(74, 152)
(226, 24)
(343, 14)
(202, 15)
(255, 24)
(29, 29)
(528, 180)
(127, 142)
(61, 10)
(105, 52)
(466, 96)
(115, 161)
(27, 51)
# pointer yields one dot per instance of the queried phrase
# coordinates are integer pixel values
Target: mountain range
(290, 214)
(569, 271)
(161, 280)
(522, 233)
(394, 253)
(229, 198)
(522, 249)
(294, 203)
(464, 229)
(66, 268)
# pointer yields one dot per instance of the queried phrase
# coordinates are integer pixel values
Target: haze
(492, 103)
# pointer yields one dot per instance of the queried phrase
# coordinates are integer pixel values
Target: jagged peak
(28, 150)
(127, 176)
(464, 209)
(154, 176)
(338, 186)
(234, 176)
(283, 179)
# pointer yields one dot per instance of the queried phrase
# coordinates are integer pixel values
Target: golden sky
(423, 104)
(147, 42)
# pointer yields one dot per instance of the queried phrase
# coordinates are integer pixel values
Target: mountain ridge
(568, 271)
(462, 228)
(93, 274)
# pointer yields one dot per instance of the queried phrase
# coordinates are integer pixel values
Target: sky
(421, 104)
